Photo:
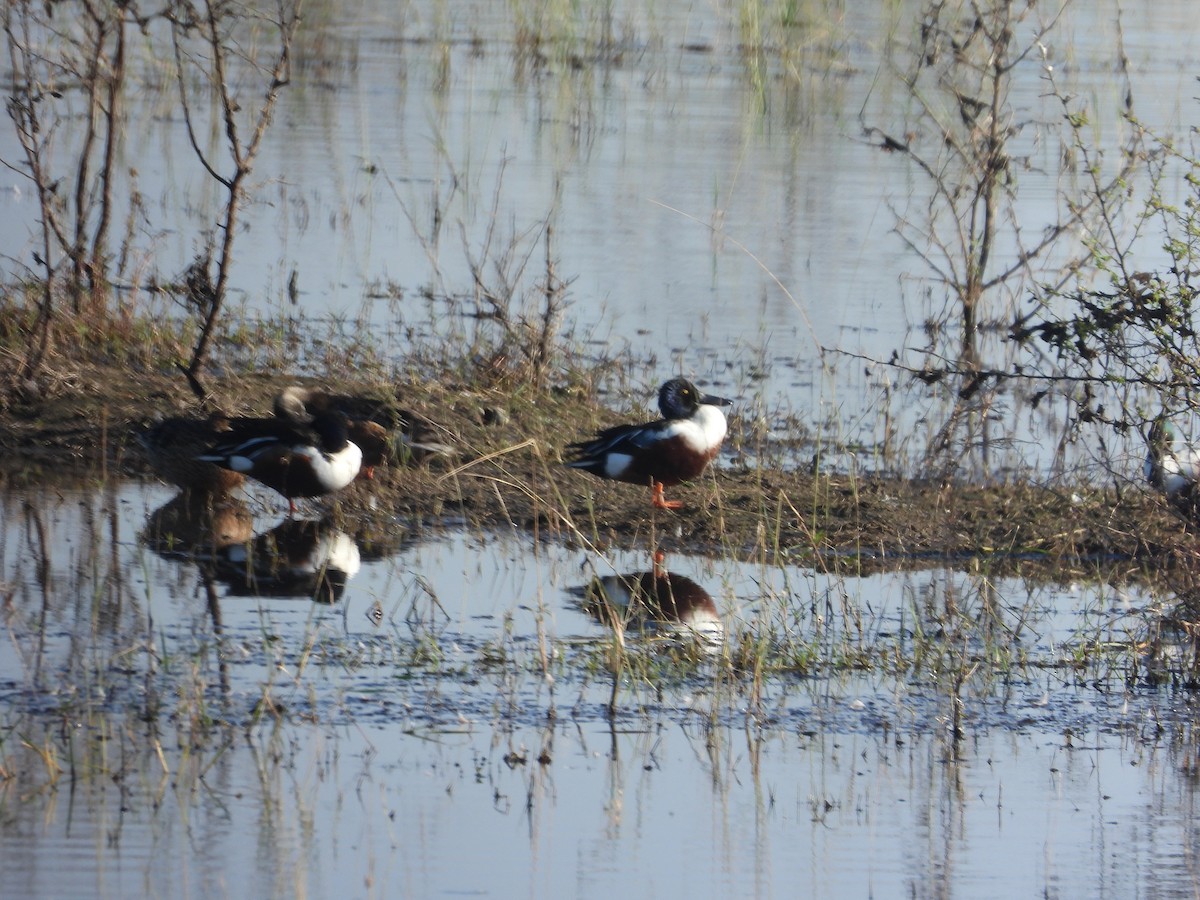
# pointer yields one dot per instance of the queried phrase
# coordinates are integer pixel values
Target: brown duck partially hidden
(385, 432)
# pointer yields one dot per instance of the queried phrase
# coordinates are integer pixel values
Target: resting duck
(674, 449)
(172, 445)
(297, 462)
(1173, 467)
(382, 431)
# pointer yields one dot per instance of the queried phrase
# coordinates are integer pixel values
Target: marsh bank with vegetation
(767, 496)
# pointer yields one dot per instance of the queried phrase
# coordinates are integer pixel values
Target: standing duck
(1173, 467)
(676, 448)
(295, 461)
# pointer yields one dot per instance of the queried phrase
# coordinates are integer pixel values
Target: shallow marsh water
(442, 728)
(138, 736)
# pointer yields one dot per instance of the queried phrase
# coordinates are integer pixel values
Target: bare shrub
(70, 64)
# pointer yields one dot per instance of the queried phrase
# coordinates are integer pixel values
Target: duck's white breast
(336, 470)
(704, 431)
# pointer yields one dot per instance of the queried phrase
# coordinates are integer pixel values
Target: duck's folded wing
(619, 439)
(247, 454)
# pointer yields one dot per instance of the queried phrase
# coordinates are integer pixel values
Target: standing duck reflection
(297, 558)
(656, 599)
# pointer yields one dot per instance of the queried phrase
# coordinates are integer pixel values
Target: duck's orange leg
(662, 502)
(660, 563)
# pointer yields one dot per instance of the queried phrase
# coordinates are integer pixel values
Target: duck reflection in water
(297, 558)
(198, 525)
(657, 599)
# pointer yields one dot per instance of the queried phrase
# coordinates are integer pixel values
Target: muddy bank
(508, 476)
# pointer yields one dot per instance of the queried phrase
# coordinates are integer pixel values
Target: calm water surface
(426, 751)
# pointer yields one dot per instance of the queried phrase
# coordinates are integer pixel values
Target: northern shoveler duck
(172, 445)
(674, 449)
(1173, 466)
(297, 462)
(383, 431)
